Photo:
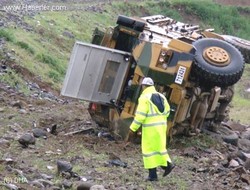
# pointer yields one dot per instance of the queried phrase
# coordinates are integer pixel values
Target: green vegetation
(45, 50)
(225, 20)
(241, 103)
(14, 80)
(201, 141)
(25, 46)
(7, 35)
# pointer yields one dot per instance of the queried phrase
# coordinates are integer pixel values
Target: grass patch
(7, 35)
(52, 62)
(240, 104)
(225, 19)
(202, 141)
(26, 47)
(47, 44)
(177, 181)
(14, 80)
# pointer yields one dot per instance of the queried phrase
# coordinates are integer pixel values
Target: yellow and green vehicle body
(195, 69)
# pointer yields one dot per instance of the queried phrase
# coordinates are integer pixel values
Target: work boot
(152, 175)
(168, 169)
(151, 179)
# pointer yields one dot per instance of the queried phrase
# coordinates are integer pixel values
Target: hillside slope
(35, 47)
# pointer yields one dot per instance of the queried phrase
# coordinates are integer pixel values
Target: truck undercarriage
(195, 69)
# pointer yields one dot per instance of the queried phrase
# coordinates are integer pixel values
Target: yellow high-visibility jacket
(154, 129)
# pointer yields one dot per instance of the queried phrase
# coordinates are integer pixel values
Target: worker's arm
(140, 115)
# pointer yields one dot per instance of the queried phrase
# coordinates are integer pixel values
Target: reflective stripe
(155, 153)
(167, 112)
(137, 122)
(151, 109)
(141, 113)
(152, 115)
(155, 124)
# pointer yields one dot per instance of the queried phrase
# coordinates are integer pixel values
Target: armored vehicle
(194, 68)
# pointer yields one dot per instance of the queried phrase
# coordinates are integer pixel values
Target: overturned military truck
(194, 68)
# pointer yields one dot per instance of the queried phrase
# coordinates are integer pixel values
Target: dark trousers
(152, 173)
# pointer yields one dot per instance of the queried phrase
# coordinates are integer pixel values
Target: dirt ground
(96, 159)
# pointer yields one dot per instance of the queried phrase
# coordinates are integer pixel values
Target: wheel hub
(216, 56)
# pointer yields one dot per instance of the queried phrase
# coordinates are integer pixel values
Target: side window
(108, 77)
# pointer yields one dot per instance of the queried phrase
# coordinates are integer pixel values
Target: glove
(129, 139)
(131, 136)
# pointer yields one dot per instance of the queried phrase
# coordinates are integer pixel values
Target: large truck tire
(130, 23)
(217, 63)
(241, 44)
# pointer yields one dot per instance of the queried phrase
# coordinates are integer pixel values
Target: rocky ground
(50, 142)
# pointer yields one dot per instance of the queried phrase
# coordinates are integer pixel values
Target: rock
(246, 135)
(37, 132)
(245, 178)
(15, 128)
(37, 184)
(191, 152)
(4, 143)
(247, 164)
(237, 127)
(53, 129)
(55, 188)
(97, 187)
(18, 104)
(233, 164)
(11, 116)
(50, 167)
(84, 186)
(47, 177)
(122, 188)
(22, 111)
(11, 186)
(46, 183)
(67, 184)
(241, 155)
(7, 161)
(27, 139)
(247, 155)
(63, 166)
(231, 139)
(244, 145)
(66, 175)
(68, 34)
(118, 162)
(224, 131)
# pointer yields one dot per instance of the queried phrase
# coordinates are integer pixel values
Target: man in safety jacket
(151, 115)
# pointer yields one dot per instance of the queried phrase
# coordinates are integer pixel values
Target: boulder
(37, 132)
(27, 139)
(244, 145)
(63, 166)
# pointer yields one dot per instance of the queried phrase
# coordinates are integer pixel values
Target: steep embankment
(40, 38)
(34, 51)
